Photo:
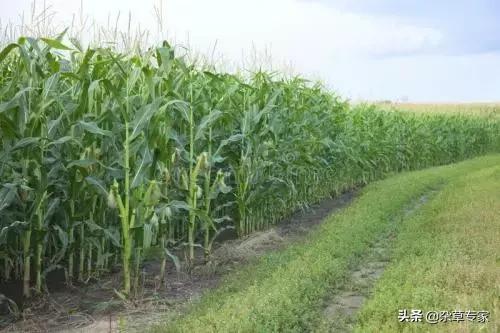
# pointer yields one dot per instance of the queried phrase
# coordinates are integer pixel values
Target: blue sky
(423, 51)
(468, 26)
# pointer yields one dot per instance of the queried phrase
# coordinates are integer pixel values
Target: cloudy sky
(422, 50)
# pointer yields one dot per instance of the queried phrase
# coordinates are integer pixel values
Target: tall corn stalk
(179, 153)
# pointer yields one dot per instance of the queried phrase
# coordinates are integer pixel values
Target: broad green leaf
(92, 127)
(98, 185)
(81, 163)
(55, 44)
(206, 123)
(6, 50)
(17, 226)
(25, 142)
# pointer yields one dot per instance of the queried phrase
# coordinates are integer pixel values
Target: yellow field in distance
(480, 109)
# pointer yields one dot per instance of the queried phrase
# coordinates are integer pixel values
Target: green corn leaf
(97, 185)
(16, 226)
(25, 142)
(55, 44)
(6, 50)
(175, 260)
(92, 127)
(81, 163)
(114, 236)
(207, 122)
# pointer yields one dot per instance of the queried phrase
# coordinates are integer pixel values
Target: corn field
(104, 155)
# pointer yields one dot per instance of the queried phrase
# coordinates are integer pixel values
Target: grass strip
(446, 259)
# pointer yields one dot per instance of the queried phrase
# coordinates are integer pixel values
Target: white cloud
(358, 54)
(295, 28)
(290, 27)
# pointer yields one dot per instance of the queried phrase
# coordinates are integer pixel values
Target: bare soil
(96, 307)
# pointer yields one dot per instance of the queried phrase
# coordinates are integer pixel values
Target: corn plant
(106, 154)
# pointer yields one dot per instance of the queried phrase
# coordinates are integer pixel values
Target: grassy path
(444, 257)
(349, 295)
